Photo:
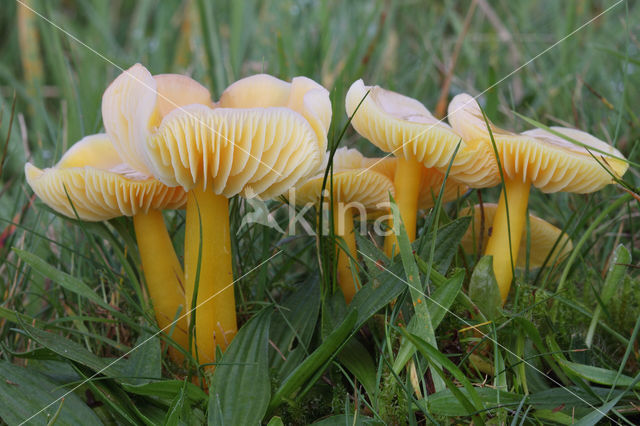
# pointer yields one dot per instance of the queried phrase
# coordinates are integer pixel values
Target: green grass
(72, 293)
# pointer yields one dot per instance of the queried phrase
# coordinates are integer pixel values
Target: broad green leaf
(177, 407)
(444, 403)
(447, 242)
(483, 288)
(314, 362)
(145, 361)
(383, 285)
(275, 421)
(598, 375)
(292, 327)
(168, 390)
(240, 388)
(355, 357)
(554, 417)
(569, 396)
(75, 352)
(24, 393)
(617, 268)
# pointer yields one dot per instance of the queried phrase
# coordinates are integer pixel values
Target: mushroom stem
(407, 186)
(163, 274)
(504, 260)
(343, 228)
(208, 216)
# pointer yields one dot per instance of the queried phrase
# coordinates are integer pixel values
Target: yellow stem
(498, 245)
(163, 274)
(216, 308)
(407, 186)
(343, 227)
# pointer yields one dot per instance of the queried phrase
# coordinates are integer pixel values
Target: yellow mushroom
(261, 138)
(536, 157)
(430, 182)
(354, 188)
(404, 127)
(548, 243)
(92, 179)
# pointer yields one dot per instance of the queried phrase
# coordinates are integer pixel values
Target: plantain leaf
(145, 362)
(24, 393)
(483, 288)
(358, 361)
(598, 375)
(447, 242)
(292, 327)
(168, 390)
(240, 388)
(75, 352)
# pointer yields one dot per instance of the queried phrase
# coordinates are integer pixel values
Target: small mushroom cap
(99, 184)
(264, 136)
(400, 125)
(543, 237)
(548, 161)
(571, 167)
(431, 181)
(351, 183)
(302, 95)
(136, 101)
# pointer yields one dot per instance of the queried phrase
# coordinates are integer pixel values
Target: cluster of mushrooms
(167, 145)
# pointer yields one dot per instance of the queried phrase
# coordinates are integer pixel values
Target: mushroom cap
(543, 237)
(351, 183)
(548, 161)
(256, 152)
(400, 125)
(302, 95)
(431, 181)
(135, 102)
(569, 167)
(99, 184)
(263, 136)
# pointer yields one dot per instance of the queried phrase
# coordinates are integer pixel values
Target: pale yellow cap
(263, 137)
(99, 184)
(550, 162)
(400, 125)
(431, 181)
(135, 103)
(351, 183)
